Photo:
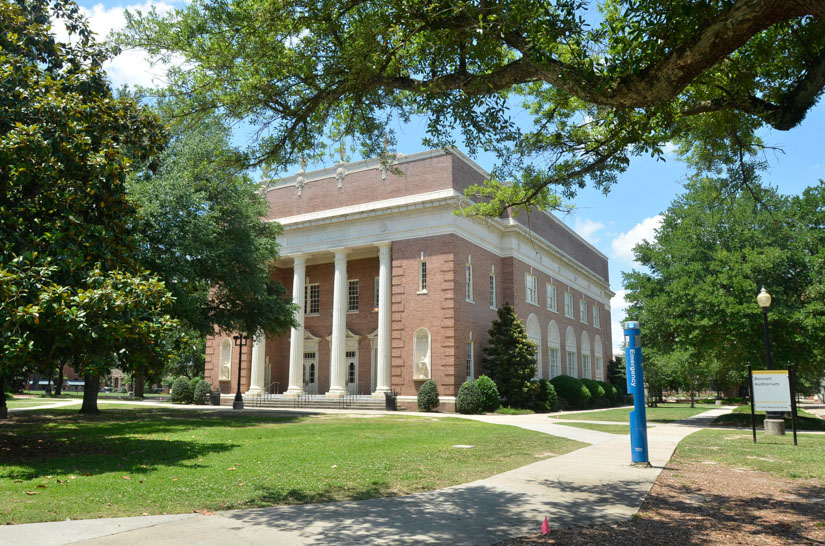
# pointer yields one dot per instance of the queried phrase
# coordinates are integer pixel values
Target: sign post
(636, 387)
(772, 392)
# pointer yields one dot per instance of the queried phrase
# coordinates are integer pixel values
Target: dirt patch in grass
(695, 503)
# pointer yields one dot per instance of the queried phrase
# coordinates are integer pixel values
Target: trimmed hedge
(546, 397)
(612, 394)
(181, 392)
(201, 392)
(598, 396)
(469, 399)
(428, 396)
(571, 392)
(489, 393)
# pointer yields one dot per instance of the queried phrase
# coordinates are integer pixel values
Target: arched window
(421, 355)
(225, 360)
(553, 349)
(597, 358)
(570, 356)
(534, 335)
(586, 372)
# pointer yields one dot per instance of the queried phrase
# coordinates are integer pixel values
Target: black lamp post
(240, 341)
(774, 423)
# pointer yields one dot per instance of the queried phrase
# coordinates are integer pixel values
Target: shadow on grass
(744, 420)
(62, 441)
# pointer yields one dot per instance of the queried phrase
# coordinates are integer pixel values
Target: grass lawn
(665, 413)
(774, 454)
(58, 464)
(609, 428)
(741, 417)
(30, 402)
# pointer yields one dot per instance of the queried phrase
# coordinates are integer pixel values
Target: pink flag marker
(545, 527)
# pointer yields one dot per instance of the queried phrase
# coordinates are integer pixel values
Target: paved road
(594, 484)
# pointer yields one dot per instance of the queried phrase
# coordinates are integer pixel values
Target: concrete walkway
(595, 484)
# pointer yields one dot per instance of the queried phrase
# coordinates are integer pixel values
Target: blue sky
(612, 223)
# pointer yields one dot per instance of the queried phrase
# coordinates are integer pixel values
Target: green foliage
(546, 397)
(612, 394)
(602, 83)
(617, 375)
(571, 392)
(428, 396)
(181, 391)
(194, 383)
(510, 358)
(489, 393)
(469, 399)
(200, 394)
(598, 396)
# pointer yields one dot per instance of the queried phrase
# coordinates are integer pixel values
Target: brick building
(397, 289)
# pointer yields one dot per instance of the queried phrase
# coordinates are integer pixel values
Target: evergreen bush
(469, 399)
(428, 396)
(194, 383)
(181, 392)
(571, 392)
(598, 396)
(489, 393)
(610, 392)
(201, 392)
(546, 397)
(510, 359)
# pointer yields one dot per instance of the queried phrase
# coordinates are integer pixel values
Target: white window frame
(350, 293)
(583, 310)
(422, 276)
(552, 302)
(596, 316)
(470, 360)
(574, 370)
(468, 282)
(568, 305)
(308, 299)
(586, 366)
(493, 291)
(531, 289)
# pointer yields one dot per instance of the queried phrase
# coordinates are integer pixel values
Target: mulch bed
(695, 503)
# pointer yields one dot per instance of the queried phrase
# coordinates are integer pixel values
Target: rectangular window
(468, 281)
(492, 291)
(551, 297)
(375, 295)
(531, 289)
(568, 304)
(572, 369)
(469, 360)
(554, 355)
(582, 310)
(352, 299)
(312, 299)
(596, 317)
(422, 276)
(599, 371)
(586, 366)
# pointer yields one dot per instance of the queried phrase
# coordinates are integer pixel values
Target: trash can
(215, 397)
(390, 399)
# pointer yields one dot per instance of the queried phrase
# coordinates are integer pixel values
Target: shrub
(489, 393)
(611, 393)
(546, 398)
(598, 396)
(181, 392)
(428, 396)
(571, 392)
(201, 393)
(510, 358)
(194, 383)
(469, 399)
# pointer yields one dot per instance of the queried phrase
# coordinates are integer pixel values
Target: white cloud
(587, 228)
(618, 307)
(131, 67)
(669, 148)
(622, 245)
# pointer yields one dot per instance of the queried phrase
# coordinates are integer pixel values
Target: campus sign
(771, 390)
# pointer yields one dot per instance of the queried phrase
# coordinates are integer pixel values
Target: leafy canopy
(601, 83)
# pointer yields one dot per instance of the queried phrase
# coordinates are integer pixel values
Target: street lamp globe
(763, 299)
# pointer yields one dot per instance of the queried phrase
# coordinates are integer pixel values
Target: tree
(602, 84)
(712, 254)
(616, 374)
(65, 219)
(510, 358)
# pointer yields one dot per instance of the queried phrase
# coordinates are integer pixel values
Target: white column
(256, 377)
(337, 364)
(382, 383)
(296, 338)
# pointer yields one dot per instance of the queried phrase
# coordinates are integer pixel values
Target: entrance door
(352, 372)
(310, 373)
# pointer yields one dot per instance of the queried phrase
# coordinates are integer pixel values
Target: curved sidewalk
(595, 484)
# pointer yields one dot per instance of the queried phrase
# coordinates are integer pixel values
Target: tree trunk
(4, 410)
(139, 383)
(58, 388)
(90, 391)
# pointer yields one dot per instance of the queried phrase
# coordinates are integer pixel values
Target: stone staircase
(315, 401)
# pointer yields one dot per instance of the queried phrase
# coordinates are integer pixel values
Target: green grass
(665, 413)
(101, 395)
(741, 417)
(58, 464)
(774, 454)
(514, 411)
(609, 428)
(29, 402)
